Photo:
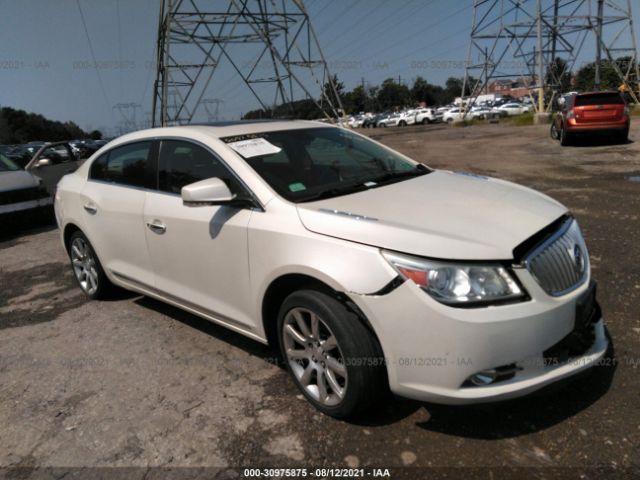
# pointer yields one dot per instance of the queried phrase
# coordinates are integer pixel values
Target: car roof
(586, 94)
(225, 129)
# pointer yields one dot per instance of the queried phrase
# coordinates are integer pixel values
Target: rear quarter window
(125, 165)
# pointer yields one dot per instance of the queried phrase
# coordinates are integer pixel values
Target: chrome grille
(561, 263)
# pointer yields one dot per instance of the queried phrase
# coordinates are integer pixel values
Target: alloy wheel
(84, 266)
(314, 356)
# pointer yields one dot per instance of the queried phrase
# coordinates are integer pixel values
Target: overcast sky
(46, 62)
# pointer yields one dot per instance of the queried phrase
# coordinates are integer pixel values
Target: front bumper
(431, 349)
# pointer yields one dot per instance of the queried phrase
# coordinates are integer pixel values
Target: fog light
(484, 377)
(492, 375)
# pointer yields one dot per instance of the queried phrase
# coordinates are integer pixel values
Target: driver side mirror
(42, 162)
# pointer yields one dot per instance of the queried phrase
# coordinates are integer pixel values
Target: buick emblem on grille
(578, 259)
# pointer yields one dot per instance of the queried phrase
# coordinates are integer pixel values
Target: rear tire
(335, 361)
(553, 132)
(565, 138)
(87, 268)
(623, 137)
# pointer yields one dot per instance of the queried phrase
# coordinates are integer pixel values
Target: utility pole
(597, 80)
(541, 78)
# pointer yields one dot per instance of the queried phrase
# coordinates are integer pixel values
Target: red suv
(605, 112)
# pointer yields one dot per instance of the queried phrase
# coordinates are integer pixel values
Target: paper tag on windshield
(255, 147)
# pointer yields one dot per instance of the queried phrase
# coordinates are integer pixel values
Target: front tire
(87, 268)
(335, 361)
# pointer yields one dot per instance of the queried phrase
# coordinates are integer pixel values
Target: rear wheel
(623, 137)
(565, 138)
(553, 132)
(402, 123)
(87, 268)
(334, 359)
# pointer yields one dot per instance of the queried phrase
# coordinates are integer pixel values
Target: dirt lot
(135, 383)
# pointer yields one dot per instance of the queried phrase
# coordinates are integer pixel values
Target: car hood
(15, 180)
(440, 215)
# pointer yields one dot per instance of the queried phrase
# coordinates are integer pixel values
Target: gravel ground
(136, 384)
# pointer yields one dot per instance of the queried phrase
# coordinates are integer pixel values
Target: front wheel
(335, 361)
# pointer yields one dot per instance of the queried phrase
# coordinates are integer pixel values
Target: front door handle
(91, 208)
(157, 226)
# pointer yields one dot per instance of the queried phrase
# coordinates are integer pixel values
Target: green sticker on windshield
(297, 187)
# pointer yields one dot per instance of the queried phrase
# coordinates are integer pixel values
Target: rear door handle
(157, 226)
(91, 208)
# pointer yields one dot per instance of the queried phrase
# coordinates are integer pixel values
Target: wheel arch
(280, 288)
(69, 229)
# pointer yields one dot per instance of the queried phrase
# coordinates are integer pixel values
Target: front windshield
(314, 163)
(7, 165)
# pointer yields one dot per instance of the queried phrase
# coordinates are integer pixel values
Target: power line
(385, 20)
(93, 56)
(422, 27)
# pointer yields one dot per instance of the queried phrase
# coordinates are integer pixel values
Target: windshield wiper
(367, 184)
(398, 175)
(334, 192)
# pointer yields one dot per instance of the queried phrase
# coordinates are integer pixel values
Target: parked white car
(426, 115)
(453, 115)
(480, 113)
(512, 108)
(408, 117)
(366, 268)
(356, 122)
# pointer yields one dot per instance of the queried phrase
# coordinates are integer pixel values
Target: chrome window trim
(259, 205)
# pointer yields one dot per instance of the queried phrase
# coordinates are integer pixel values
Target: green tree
(393, 95)
(18, 126)
(585, 78)
(421, 91)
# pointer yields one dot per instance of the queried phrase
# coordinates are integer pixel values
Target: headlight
(457, 284)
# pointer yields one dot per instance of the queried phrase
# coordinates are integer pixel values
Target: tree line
(18, 126)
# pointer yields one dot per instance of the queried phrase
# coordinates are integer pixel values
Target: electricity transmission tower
(127, 113)
(521, 39)
(268, 45)
(212, 107)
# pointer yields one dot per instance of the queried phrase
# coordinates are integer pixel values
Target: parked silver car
(21, 192)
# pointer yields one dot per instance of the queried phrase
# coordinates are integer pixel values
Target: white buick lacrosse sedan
(369, 271)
